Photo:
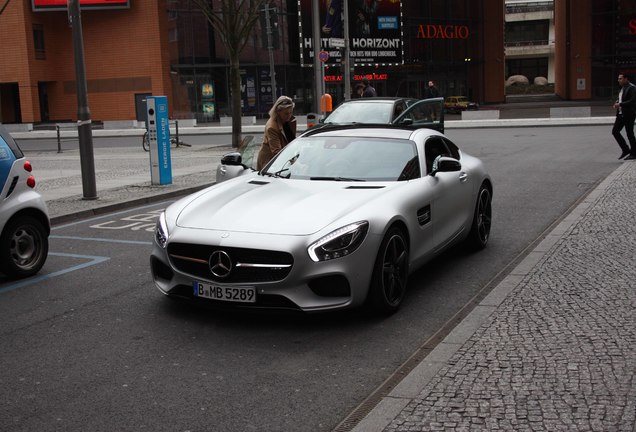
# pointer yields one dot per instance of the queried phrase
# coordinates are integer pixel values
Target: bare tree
(4, 6)
(233, 22)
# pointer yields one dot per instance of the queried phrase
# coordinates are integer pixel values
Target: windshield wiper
(337, 179)
(281, 171)
(285, 167)
(277, 173)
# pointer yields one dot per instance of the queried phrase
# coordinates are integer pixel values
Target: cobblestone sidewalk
(559, 353)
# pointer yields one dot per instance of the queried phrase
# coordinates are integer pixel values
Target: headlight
(339, 243)
(161, 230)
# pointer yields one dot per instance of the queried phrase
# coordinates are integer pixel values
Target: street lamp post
(84, 130)
(270, 49)
(315, 12)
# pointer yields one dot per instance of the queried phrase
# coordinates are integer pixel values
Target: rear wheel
(480, 230)
(24, 246)
(144, 142)
(390, 273)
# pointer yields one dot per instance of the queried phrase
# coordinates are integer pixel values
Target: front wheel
(482, 219)
(390, 273)
(24, 246)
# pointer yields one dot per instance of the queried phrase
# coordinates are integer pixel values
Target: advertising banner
(375, 31)
(49, 5)
(208, 100)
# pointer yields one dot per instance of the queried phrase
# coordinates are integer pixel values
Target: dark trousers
(627, 122)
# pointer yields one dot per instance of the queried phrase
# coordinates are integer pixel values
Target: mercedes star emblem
(220, 264)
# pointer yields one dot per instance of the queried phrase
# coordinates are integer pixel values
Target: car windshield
(362, 112)
(462, 99)
(346, 159)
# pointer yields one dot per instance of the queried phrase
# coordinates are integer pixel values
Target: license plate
(242, 294)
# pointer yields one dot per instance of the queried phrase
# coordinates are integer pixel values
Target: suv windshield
(361, 112)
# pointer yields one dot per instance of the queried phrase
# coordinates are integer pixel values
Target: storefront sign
(436, 31)
(359, 77)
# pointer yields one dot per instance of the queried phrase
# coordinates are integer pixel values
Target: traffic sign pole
(323, 56)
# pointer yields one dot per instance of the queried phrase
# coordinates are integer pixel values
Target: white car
(337, 219)
(24, 218)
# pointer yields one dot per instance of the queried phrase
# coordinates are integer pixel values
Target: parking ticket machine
(158, 125)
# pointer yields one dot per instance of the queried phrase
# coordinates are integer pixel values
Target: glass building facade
(613, 44)
(440, 41)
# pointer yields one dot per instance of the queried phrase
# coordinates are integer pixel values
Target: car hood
(276, 206)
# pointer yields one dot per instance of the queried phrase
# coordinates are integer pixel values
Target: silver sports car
(338, 219)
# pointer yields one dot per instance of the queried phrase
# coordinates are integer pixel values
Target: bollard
(59, 141)
(176, 130)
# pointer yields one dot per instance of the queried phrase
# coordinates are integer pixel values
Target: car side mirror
(232, 159)
(445, 164)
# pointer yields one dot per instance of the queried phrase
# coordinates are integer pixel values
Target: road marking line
(145, 243)
(35, 279)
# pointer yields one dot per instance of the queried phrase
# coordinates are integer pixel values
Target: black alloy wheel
(480, 230)
(390, 273)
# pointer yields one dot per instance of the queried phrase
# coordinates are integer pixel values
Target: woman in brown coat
(280, 129)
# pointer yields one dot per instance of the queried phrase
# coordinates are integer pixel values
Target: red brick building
(125, 55)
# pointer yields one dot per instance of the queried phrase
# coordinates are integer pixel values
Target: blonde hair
(281, 103)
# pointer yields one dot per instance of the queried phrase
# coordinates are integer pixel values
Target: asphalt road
(93, 346)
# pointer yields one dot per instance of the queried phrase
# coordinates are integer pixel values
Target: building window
(38, 42)
(524, 33)
(173, 35)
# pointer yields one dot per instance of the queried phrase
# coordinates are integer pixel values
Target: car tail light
(27, 166)
(31, 182)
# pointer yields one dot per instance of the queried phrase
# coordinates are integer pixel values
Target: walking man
(625, 115)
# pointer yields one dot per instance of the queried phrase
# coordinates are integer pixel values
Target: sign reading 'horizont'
(49, 5)
(375, 31)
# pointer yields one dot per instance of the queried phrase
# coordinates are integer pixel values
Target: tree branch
(6, 3)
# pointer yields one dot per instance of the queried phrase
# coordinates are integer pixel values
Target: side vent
(14, 182)
(424, 215)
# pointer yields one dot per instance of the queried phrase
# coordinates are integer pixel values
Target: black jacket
(628, 104)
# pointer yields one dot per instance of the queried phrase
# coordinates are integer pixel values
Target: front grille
(248, 265)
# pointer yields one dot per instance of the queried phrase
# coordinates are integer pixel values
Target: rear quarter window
(7, 158)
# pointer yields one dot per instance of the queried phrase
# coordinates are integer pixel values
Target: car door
(452, 194)
(427, 113)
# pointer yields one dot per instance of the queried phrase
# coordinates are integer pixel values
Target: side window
(454, 151)
(399, 109)
(434, 147)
